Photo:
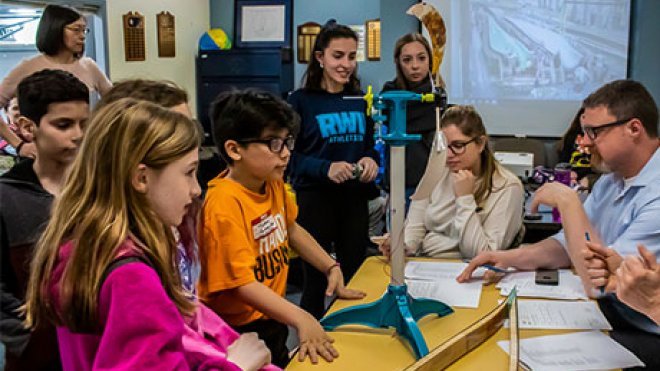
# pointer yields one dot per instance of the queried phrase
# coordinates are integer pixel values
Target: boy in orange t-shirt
(249, 225)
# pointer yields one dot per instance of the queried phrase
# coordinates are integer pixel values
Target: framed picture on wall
(262, 23)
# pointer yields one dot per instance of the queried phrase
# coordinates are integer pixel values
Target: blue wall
(394, 23)
(345, 12)
(644, 62)
(222, 16)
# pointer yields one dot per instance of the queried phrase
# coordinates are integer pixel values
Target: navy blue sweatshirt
(332, 129)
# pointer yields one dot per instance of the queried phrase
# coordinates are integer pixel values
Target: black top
(24, 213)
(420, 119)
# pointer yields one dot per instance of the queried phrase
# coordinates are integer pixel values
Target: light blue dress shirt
(625, 217)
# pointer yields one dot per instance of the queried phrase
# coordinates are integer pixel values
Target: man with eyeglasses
(620, 123)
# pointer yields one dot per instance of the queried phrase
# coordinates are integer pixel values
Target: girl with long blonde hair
(105, 270)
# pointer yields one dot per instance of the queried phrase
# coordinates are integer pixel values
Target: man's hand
(463, 181)
(602, 263)
(553, 194)
(369, 169)
(638, 283)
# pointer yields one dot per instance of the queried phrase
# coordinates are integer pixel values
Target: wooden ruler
(514, 340)
(472, 336)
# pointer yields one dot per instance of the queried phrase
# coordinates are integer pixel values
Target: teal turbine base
(395, 309)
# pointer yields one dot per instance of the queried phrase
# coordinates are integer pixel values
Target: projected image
(539, 49)
(18, 25)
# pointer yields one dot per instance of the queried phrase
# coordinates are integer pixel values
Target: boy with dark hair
(54, 107)
(249, 225)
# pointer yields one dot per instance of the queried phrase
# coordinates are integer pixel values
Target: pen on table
(494, 268)
(491, 267)
(586, 235)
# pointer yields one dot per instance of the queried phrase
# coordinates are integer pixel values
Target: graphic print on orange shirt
(270, 233)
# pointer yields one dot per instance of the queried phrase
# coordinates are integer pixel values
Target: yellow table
(364, 348)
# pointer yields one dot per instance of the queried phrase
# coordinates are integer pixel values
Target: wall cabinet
(269, 69)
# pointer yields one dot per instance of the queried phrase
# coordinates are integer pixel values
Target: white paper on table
(591, 350)
(426, 270)
(561, 315)
(448, 291)
(570, 287)
(437, 280)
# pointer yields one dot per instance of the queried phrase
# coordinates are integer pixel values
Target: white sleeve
(498, 229)
(415, 229)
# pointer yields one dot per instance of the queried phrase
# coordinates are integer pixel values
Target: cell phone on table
(548, 277)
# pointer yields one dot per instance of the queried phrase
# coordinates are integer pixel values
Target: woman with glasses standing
(466, 202)
(61, 42)
(334, 163)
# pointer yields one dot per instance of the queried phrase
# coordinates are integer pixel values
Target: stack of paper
(561, 315)
(437, 281)
(428, 270)
(570, 287)
(591, 350)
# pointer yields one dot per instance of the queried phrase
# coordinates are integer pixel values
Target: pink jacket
(142, 328)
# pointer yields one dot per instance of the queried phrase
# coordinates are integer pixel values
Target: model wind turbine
(396, 309)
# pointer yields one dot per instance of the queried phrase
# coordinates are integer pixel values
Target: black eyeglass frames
(275, 145)
(593, 131)
(458, 148)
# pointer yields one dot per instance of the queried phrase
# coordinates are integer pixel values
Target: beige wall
(191, 20)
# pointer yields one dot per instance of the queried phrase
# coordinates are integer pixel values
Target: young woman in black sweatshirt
(334, 164)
